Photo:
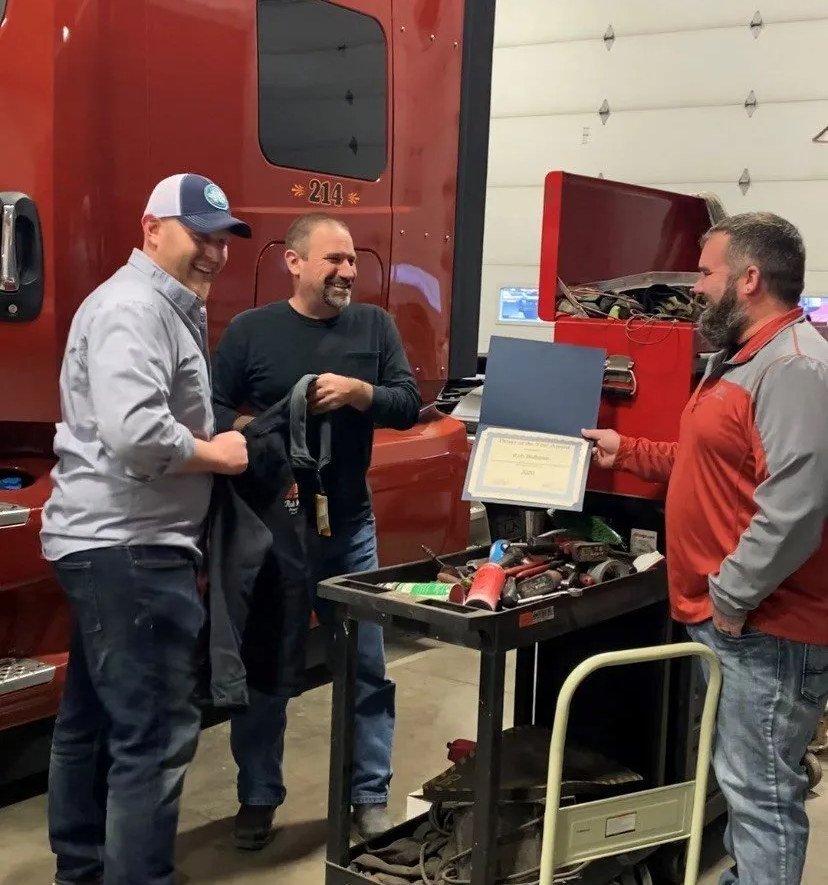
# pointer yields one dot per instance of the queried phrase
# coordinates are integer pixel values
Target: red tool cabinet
(596, 230)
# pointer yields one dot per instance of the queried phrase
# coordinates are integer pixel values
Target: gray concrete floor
(436, 702)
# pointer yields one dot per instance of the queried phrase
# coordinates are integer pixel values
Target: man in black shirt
(364, 380)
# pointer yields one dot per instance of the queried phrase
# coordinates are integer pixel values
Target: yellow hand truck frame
(610, 827)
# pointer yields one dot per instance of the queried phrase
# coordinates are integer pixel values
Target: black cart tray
(478, 628)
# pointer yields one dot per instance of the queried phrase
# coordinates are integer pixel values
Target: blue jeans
(257, 735)
(773, 696)
(127, 727)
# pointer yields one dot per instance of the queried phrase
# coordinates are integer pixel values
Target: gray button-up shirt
(135, 391)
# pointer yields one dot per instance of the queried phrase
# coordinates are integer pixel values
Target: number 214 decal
(325, 193)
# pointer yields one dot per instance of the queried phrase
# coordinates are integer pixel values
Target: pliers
(528, 570)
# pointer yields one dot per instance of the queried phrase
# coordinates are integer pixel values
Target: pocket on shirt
(363, 366)
(815, 674)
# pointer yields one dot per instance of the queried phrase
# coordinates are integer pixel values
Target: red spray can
(486, 587)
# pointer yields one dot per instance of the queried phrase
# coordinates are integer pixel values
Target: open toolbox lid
(596, 230)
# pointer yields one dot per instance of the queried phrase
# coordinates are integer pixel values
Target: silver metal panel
(19, 673)
(13, 514)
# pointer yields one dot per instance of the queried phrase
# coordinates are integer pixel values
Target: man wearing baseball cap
(136, 452)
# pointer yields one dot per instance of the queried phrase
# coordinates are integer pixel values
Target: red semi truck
(377, 110)
(364, 108)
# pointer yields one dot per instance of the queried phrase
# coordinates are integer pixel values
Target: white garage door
(675, 79)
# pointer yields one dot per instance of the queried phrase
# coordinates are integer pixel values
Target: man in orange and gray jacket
(747, 548)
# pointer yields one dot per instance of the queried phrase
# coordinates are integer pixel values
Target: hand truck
(581, 833)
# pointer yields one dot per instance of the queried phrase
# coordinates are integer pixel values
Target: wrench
(574, 591)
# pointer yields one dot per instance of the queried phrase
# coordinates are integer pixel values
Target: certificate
(528, 450)
(528, 468)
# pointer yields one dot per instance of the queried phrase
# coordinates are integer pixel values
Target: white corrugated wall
(676, 78)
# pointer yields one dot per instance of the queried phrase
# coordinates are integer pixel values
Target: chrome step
(18, 673)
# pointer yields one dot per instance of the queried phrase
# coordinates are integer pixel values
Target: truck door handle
(21, 258)
(9, 277)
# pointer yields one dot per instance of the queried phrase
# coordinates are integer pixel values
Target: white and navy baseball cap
(197, 203)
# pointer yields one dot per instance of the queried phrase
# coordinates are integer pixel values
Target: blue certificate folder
(540, 387)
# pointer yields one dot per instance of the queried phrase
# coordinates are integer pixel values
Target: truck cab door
(287, 105)
(27, 314)
(324, 129)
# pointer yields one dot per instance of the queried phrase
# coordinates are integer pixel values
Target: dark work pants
(127, 728)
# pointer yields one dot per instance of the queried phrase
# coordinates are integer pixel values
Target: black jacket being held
(261, 538)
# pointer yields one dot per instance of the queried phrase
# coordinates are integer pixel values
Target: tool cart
(556, 599)
(618, 724)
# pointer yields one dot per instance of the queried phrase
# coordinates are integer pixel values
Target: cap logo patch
(215, 197)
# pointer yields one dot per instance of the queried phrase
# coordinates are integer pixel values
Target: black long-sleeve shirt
(266, 350)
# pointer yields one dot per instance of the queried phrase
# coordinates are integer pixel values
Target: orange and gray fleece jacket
(748, 486)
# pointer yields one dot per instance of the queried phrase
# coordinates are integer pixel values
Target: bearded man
(364, 380)
(747, 551)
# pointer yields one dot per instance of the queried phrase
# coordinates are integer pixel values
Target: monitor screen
(518, 305)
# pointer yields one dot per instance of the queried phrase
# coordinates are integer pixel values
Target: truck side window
(322, 88)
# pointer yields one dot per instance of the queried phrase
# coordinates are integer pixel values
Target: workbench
(626, 720)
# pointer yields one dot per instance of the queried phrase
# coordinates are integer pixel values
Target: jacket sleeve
(791, 425)
(396, 395)
(230, 376)
(648, 460)
(131, 361)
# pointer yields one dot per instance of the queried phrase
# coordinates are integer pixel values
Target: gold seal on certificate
(518, 466)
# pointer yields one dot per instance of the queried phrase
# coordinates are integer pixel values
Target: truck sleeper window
(322, 88)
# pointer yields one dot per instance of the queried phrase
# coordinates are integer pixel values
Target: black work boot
(253, 826)
(371, 820)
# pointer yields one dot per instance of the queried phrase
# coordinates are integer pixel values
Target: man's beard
(722, 325)
(335, 296)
